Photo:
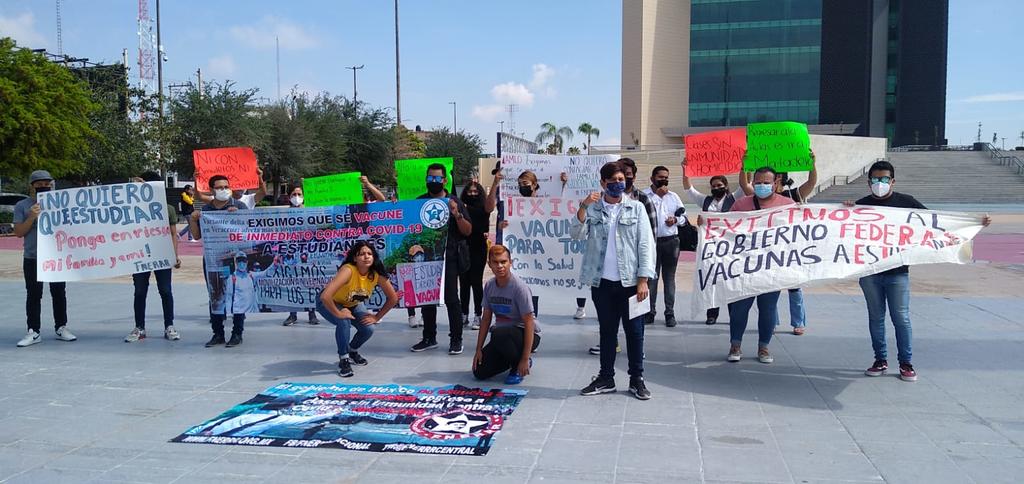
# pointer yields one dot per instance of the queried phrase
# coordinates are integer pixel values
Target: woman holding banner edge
(295, 200)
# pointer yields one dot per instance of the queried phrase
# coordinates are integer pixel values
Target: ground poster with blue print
(280, 258)
(448, 420)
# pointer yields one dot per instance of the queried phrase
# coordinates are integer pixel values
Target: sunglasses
(880, 179)
(435, 179)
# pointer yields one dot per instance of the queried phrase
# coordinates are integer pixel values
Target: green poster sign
(412, 176)
(783, 145)
(326, 191)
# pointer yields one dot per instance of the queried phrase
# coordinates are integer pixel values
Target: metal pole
(159, 64)
(455, 117)
(398, 75)
(277, 47)
(199, 74)
(355, 93)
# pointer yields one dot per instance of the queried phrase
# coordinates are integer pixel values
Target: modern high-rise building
(857, 67)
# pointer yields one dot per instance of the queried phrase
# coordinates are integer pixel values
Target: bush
(6, 217)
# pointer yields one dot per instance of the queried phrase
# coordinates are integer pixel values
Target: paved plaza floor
(100, 410)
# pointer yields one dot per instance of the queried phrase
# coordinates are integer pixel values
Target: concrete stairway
(939, 177)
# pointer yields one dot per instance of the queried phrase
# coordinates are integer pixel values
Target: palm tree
(558, 136)
(573, 151)
(587, 129)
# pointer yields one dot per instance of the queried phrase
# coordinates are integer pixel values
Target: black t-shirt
(480, 219)
(896, 200)
(454, 235)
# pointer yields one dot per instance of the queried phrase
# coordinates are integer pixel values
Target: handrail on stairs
(1005, 159)
(846, 178)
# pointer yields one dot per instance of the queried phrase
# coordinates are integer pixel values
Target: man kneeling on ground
(515, 334)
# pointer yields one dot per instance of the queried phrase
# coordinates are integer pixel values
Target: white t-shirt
(611, 259)
(664, 207)
(716, 205)
(249, 199)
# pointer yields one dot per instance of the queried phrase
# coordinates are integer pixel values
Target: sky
(560, 61)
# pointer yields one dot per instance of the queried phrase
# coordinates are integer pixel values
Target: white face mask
(296, 200)
(880, 189)
(222, 195)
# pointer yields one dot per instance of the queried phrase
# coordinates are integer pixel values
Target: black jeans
(451, 303)
(473, 279)
(34, 298)
(237, 324)
(665, 268)
(503, 351)
(163, 286)
(612, 302)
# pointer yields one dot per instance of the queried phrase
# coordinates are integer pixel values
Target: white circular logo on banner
(434, 213)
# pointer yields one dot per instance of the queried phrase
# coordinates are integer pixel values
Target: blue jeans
(342, 328)
(894, 290)
(767, 318)
(612, 302)
(797, 316)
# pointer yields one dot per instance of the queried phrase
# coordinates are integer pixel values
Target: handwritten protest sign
(783, 145)
(742, 254)
(103, 231)
(583, 173)
(544, 254)
(290, 254)
(412, 176)
(715, 153)
(340, 189)
(238, 164)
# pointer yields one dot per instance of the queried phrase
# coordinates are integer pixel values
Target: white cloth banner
(743, 254)
(103, 231)
(544, 254)
(582, 171)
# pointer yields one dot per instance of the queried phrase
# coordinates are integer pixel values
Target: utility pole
(455, 117)
(159, 65)
(124, 62)
(398, 74)
(501, 126)
(355, 93)
(277, 46)
(199, 74)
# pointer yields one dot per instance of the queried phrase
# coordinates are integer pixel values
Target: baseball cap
(39, 175)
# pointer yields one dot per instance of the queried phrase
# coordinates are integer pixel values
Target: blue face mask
(615, 189)
(241, 266)
(763, 190)
(419, 257)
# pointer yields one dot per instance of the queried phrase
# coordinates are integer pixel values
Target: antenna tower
(512, 109)
(147, 49)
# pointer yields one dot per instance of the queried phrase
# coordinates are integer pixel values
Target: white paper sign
(583, 173)
(638, 308)
(544, 254)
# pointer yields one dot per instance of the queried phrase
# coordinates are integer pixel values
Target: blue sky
(559, 60)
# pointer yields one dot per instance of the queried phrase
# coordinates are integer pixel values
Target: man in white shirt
(666, 234)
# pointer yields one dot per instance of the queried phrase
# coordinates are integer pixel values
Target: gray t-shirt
(509, 303)
(21, 211)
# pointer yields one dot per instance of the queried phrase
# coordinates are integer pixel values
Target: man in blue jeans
(892, 287)
(617, 263)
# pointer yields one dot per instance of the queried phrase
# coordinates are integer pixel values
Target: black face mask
(471, 199)
(718, 192)
(526, 190)
(660, 183)
(435, 187)
(42, 189)
(629, 183)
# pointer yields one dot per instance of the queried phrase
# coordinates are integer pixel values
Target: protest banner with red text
(715, 153)
(103, 231)
(544, 254)
(238, 164)
(743, 254)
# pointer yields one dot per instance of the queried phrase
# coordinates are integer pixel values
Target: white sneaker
(171, 333)
(475, 322)
(415, 321)
(30, 339)
(135, 335)
(65, 334)
(580, 313)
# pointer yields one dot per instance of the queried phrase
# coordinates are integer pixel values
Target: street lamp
(455, 117)
(355, 99)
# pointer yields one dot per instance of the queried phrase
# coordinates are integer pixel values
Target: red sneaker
(907, 372)
(877, 369)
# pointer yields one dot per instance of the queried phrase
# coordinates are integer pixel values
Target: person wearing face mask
(416, 254)
(666, 234)
(617, 263)
(239, 295)
(765, 196)
(295, 200)
(222, 200)
(890, 288)
(26, 212)
(797, 314)
(629, 169)
(473, 279)
(459, 227)
(248, 199)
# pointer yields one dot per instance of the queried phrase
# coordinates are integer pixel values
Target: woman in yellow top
(341, 302)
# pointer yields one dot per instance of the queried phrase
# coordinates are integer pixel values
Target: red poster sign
(238, 164)
(715, 153)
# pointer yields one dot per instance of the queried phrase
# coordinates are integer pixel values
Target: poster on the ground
(449, 420)
(583, 173)
(103, 231)
(742, 254)
(544, 254)
(280, 258)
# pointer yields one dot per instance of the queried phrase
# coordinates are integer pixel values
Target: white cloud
(222, 66)
(22, 29)
(512, 93)
(489, 113)
(261, 35)
(998, 97)
(516, 93)
(542, 74)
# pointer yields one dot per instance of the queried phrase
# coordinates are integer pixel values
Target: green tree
(573, 151)
(286, 151)
(219, 116)
(464, 148)
(587, 129)
(346, 138)
(44, 118)
(557, 136)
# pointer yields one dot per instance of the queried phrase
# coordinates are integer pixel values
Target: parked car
(8, 200)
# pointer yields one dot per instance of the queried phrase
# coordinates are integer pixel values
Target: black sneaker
(455, 348)
(423, 345)
(217, 339)
(649, 318)
(357, 358)
(670, 321)
(638, 388)
(236, 339)
(345, 368)
(711, 321)
(599, 386)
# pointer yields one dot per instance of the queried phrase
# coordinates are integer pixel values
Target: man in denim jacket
(618, 261)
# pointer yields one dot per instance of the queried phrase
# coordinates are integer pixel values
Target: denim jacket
(634, 242)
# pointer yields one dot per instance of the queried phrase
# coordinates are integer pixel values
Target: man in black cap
(25, 214)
